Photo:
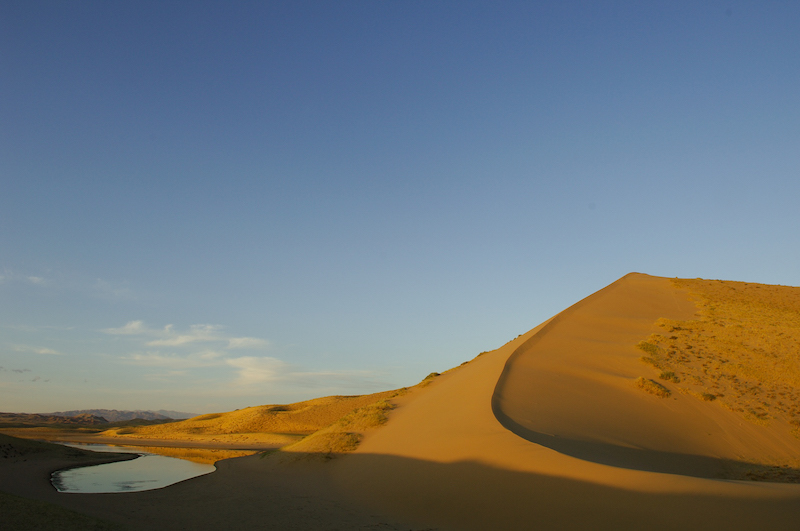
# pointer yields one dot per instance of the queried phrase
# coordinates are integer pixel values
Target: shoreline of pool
(142, 471)
(61, 437)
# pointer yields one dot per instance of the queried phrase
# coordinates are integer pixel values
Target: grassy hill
(742, 352)
(282, 424)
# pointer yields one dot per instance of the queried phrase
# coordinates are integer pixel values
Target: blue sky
(211, 205)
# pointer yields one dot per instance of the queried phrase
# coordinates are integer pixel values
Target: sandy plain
(549, 431)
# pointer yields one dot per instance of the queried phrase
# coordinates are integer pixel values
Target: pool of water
(146, 472)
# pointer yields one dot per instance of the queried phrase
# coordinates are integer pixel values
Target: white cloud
(254, 370)
(196, 333)
(199, 333)
(36, 350)
(10, 276)
(196, 360)
(130, 328)
(183, 353)
(246, 342)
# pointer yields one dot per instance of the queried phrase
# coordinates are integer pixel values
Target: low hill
(178, 415)
(113, 415)
(284, 423)
(23, 420)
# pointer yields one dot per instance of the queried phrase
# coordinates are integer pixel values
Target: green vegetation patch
(670, 376)
(744, 346)
(342, 436)
(367, 417)
(652, 387)
(650, 348)
(428, 379)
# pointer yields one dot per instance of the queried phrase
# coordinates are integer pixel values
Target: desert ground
(653, 403)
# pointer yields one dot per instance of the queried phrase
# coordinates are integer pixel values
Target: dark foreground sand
(244, 493)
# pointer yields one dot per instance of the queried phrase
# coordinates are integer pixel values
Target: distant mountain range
(33, 419)
(113, 415)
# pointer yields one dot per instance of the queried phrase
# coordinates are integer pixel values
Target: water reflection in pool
(149, 471)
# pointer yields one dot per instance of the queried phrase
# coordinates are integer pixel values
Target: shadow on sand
(651, 460)
(380, 492)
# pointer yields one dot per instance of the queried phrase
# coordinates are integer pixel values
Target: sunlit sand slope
(281, 424)
(550, 432)
(570, 388)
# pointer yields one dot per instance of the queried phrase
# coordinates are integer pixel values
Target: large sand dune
(550, 432)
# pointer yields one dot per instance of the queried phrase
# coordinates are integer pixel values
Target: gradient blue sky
(211, 205)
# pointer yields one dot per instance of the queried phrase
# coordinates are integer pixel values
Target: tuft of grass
(650, 361)
(400, 392)
(648, 347)
(655, 353)
(367, 417)
(428, 379)
(708, 397)
(652, 387)
(669, 376)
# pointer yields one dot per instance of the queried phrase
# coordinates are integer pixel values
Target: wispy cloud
(207, 358)
(113, 290)
(254, 370)
(130, 328)
(195, 334)
(9, 276)
(198, 333)
(246, 342)
(36, 350)
(176, 354)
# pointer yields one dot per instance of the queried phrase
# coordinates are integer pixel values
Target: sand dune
(549, 431)
(265, 426)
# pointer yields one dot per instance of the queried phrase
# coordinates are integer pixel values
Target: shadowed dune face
(570, 388)
(470, 495)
